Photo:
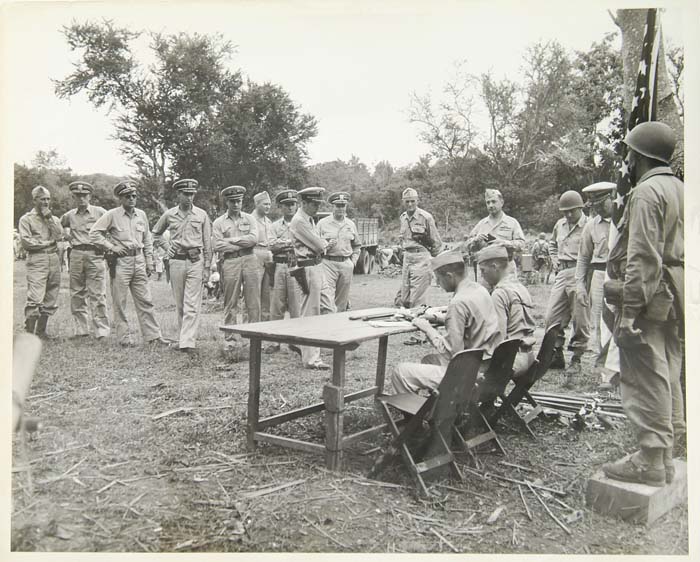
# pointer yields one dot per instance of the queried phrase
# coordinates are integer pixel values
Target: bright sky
(352, 65)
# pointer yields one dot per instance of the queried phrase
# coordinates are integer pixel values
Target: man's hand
(422, 324)
(582, 298)
(149, 269)
(627, 334)
(46, 212)
(119, 251)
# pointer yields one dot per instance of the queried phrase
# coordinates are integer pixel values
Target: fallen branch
(443, 539)
(528, 483)
(186, 409)
(340, 544)
(272, 489)
(504, 463)
(66, 473)
(522, 497)
(549, 511)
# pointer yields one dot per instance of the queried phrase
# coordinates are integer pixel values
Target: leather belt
(238, 254)
(279, 259)
(133, 252)
(86, 248)
(44, 251)
(598, 266)
(178, 257)
(336, 258)
(308, 262)
(566, 264)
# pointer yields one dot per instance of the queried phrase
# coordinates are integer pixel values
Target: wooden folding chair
(424, 451)
(493, 386)
(524, 383)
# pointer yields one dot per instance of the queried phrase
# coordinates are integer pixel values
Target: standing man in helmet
(563, 306)
(40, 231)
(648, 260)
(419, 240)
(540, 255)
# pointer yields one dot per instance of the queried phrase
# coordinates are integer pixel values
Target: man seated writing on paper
(471, 323)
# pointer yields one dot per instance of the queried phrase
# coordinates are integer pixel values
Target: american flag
(643, 106)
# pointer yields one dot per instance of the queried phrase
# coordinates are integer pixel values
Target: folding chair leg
(466, 446)
(522, 422)
(491, 431)
(453, 465)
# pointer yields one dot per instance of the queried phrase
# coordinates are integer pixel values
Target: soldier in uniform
(339, 262)
(563, 305)
(235, 234)
(40, 233)
(470, 322)
(309, 248)
(88, 284)
(124, 232)
(648, 261)
(190, 258)
(593, 259)
(540, 255)
(262, 249)
(419, 240)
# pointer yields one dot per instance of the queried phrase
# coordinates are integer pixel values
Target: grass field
(107, 476)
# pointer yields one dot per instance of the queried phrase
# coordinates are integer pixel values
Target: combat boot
(41, 327)
(668, 464)
(558, 361)
(573, 372)
(637, 469)
(30, 324)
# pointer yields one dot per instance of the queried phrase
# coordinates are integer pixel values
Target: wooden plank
(479, 439)
(381, 363)
(333, 400)
(253, 391)
(358, 436)
(338, 375)
(434, 462)
(289, 442)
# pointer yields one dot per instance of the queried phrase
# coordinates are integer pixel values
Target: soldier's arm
(435, 240)
(305, 234)
(147, 242)
(55, 229)
(518, 242)
(250, 239)
(99, 230)
(356, 244)
(585, 254)
(159, 229)
(206, 241)
(553, 249)
(27, 239)
(501, 304)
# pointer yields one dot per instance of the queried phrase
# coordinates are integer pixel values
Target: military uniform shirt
(594, 246)
(189, 230)
(281, 234)
(264, 229)
(36, 231)
(226, 227)
(80, 222)
(345, 232)
(124, 231)
(566, 239)
(305, 235)
(540, 249)
(421, 222)
(514, 310)
(507, 228)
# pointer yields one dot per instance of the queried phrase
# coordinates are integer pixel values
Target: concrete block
(637, 502)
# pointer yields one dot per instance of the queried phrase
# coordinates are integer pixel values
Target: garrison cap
(186, 185)
(125, 187)
(40, 191)
(233, 192)
(80, 187)
(446, 258)
(286, 196)
(262, 196)
(339, 198)
(493, 252)
(409, 193)
(312, 194)
(600, 191)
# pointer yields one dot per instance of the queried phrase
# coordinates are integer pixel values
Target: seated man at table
(471, 323)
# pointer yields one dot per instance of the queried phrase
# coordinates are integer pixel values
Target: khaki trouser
(650, 384)
(88, 290)
(131, 276)
(414, 377)
(596, 314)
(239, 271)
(415, 278)
(311, 306)
(186, 282)
(43, 283)
(563, 308)
(285, 295)
(264, 256)
(337, 277)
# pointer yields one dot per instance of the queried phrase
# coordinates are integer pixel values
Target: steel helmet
(570, 200)
(652, 139)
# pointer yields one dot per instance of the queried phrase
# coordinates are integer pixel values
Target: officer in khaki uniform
(124, 232)
(40, 233)
(309, 248)
(235, 234)
(262, 250)
(420, 240)
(88, 285)
(190, 258)
(339, 262)
(563, 305)
(648, 262)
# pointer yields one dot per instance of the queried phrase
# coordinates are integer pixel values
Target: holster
(220, 269)
(299, 273)
(270, 268)
(193, 254)
(612, 292)
(166, 268)
(111, 259)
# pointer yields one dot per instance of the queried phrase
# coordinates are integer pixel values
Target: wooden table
(334, 331)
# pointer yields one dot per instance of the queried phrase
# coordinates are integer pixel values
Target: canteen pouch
(612, 292)
(299, 273)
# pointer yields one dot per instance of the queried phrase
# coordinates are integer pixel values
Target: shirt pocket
(244, 227)
(196, 226)
(418, 228)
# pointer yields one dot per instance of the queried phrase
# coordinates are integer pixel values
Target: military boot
(41, 327)
(668, 464)
(558, 361)
(30, 324)
(639, 468)
(573, 372)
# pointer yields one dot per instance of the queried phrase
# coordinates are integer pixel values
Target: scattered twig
(100, 525)
(66, 473)
(186, 409)
(522, 497)
(25, 508)
(443, 539)
(377, 483)
(504, 463)
(514, 539)
(471, 492)
(272, 489)
(527, 482)
(340, 544)
(549, 511)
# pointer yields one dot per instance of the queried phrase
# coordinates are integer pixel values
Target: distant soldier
(88, 284)
(262, 250)
(309, 248)
(563, 305)
(235, 234)
(419, 240)
(124, 232)
(40, 231)
(540, 255)
(497, 228)
(338, 262)
(190, 258)
(593, 260)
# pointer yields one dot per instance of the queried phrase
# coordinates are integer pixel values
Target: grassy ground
(107, 476)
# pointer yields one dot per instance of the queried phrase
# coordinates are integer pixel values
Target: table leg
(253, 391)
(334, 401)
(381, 363)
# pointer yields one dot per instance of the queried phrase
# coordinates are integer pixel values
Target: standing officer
(593, 259)
(339, 262)
(420, 240)
(190, 258)
(124, 232)
(40, 233)
(308, 248)
(262, 249)
(563, 305)
(540, 255)
(235, 234)
(649, 262)
(88, 285)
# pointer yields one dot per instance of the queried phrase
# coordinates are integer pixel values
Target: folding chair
(424, 451)
(524, 383)
(493, 386)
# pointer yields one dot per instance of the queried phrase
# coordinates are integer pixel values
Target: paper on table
(388, 324)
